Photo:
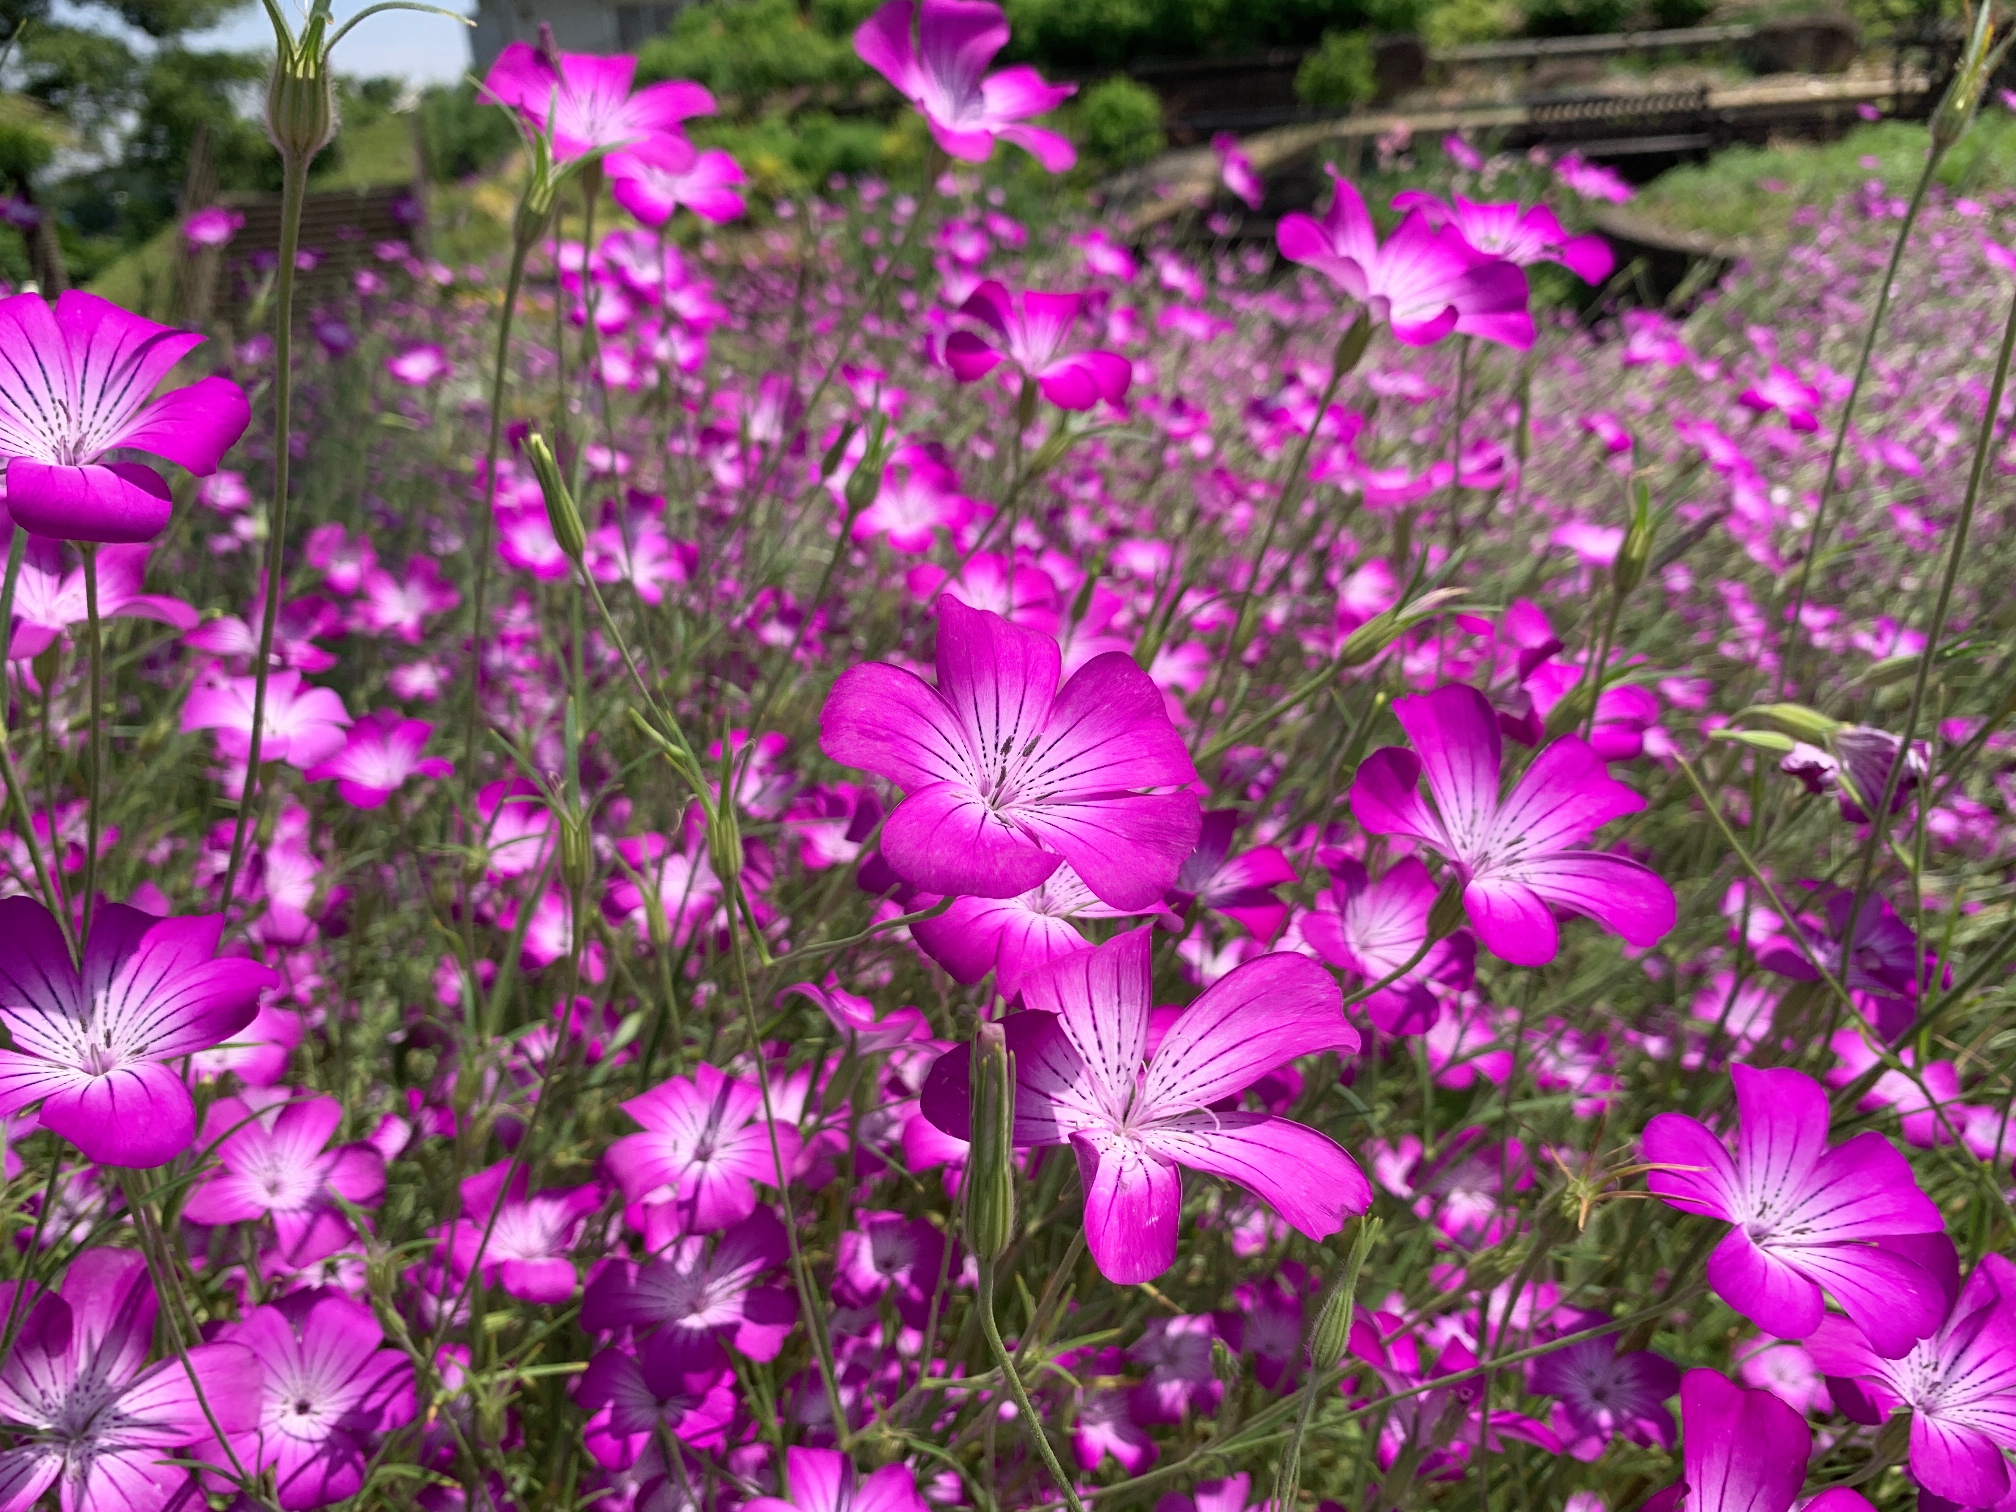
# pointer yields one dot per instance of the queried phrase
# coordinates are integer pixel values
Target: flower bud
(1332, 1333)
(1796, 720)
(990, 1166)
(301, 98)
(1573, 711)
(834, 455)
(724, 841)
(1382, 630)
(864, 484)
(1446, 917)
(1628, 571)
(561, 515)
(1970, 78)
(577, 854)
(1350, 348)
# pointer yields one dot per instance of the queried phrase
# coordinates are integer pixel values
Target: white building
(591, 26)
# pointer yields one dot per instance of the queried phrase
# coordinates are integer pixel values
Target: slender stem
(17, 793)
(1817, 534)
(293, 189)
(95, 761)
(1599, 664)
(1031, 1423)
(1879, 816)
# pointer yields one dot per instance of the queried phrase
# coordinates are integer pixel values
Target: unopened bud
(1224, 1363)
(1628, 571)
(990, 1165)
(1350, 349)
(1573, 711)
(1963, 96)
(561, 514)
(724, 841)
(1025, 409)
(1331, 1336)
(1446, 917)
(301, 99)
(577, 854)
(1372, 638)
(1796, 720)
(834, 455)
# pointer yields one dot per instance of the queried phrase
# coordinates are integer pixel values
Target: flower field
(862, 854)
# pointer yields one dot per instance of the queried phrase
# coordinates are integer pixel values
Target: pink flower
(704, 1147)
(1235, 171)
(419, 365)
(88, 1408)
(213, 226)
(1012, 937)
(274, 1165)
(1006, 776)
(521, 1237)
(1959, 1385)
(1519, 234)
(304, 726)
(1783, 389)
(99, 1049)
(822, 1480)
(675, 1382)
(48, 601)
(1032, 330)
(1592, 181)
(1081, 1082)
(1423, 282)
(658, 175)
(1516, 856)
(401, 606)
(1240, 887)
(1375, 928)
(1745, 1451)
(856, 1018)
(1601, 1395)
(705, 1286)
(918, 498)
(890, 1255)
(382, 751)
(330, 1391)
(942, 70)
(1803, 1216)
(75, 383)
(587, 104)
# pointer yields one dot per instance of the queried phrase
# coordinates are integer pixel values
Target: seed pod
(561, 514)
(301, 101)
(990, 1166)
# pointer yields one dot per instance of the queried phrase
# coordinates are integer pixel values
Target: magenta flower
(1080, 1081)
(521, 1238)
(1235, 171)
(1601, 1394)
(1241, 886)
(381, 752)
(674, 1382)
(587, 104)
(274, 1164)
(942, 70)
(212, 226)
(918, 498)
(1422, 282)
(1782, 389)
(1006, 776)
(304, 726)
(1375, 928)
(1745, 1451)
(1592, 180)
(1959, 1385)
(1803, 1217)
(75, 383)
(98, 1049)
(1517, 857)
(48, 601)
(88, 1409)
(866, 1032)
(823, 1480)
(704, 1284)
(1031, 330)
(1519, 234)
(656, 176)
(419, 365)
(704, 1147)
(330, 1390)
(1012, 937)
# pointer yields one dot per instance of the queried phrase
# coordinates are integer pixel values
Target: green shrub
(1575, 18)
(463, 135)
(748, 51)
(1120, 123)
(1339, 74)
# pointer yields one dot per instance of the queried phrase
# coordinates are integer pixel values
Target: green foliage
(1338, 75)
(749, 50)
(1113, 33)
(464, 136)
(29, 138)
(1119, 123)
(1451, 23)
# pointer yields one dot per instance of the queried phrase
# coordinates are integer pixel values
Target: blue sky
(425, 49)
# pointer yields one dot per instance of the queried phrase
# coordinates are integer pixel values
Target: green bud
(1025, 407)
(301, 95)
(990, 1166)
(1350, 348)
(1446, 917)
(834, 455)
(1796, 720)
(1332, 1333)
(577, 853)
(560, 511)
(1382, 630)
(1628, 571)
(724, 841)
(1963, 96)
(1573, 711)
(1224, 1363)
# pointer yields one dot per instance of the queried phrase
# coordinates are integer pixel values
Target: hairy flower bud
(1332, 1334)
(560, 511)
(577, 853)
(724, 841)
(1963, 96)
(990, 1166)
(301, 93)
(1447, 915)
(1628, 571)
(1350, 348)
(864, 484)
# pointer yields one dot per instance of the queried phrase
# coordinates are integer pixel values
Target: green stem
(17, 794)
(1031, 1423)
(94, 821)
(293, 190)
(1817, 533)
